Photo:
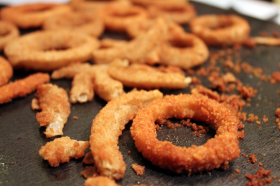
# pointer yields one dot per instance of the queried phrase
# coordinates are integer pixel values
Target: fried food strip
(215, 153)
(272, 41)
(104, 86)
(82, 88)
(100, 181)
(55, 108)
(8, 32)
(146, 44)
(107, 127)
(22, 87)
(147, 77)
(6, 71)
(62, 149)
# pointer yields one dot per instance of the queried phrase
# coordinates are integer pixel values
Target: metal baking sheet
(21, 137)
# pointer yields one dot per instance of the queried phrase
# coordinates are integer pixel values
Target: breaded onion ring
(107, 127)
(216, 152)
(60, 150)
(41, 50)
(118, 19)
(82, 88)
(53, 102)
(75, 21)
(8, 32)
(6, 71)
(22, 87)
(143, 49)
(180, 14)
(32, 15)
(147, 77)
(100, 181)
(138, 28)
(220, 30)
(183, 50)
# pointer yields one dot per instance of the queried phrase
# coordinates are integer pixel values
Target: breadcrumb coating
(100, 181)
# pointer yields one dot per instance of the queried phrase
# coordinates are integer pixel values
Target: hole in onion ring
(59, 48)
(221, 25)
(174, 9)
(125, 14)
(181, 44)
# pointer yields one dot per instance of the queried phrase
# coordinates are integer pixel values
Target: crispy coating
(82, 88)
(104, 86)
(60, 150)
(183, 50)
(107, 127)
(147, 77)
(215, 153)
(220, 30)
(118, 19)
(55, 108)
(8, 32)
(32, 15)
(100, 181)
(173, 3)
(6, 71)
(272, 41)
(138, 169)
(76, 21)
(22, 87)
(35, 104)
(49, 50)
(181, 14)
(147, 47)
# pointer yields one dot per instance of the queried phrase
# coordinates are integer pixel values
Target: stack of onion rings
(216, 152)
(32, 15)
(8, 32)
(41, 50)
(220, 30)
(76, 22)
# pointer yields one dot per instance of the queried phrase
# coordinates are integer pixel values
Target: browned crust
(6, 71)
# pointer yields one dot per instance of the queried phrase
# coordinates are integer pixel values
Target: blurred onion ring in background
(216, 152)
(8, 32)
(32, 15)
(220, 30)
(6, 71)
(49, 50)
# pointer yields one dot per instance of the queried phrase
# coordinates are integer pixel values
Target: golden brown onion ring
(8, 32)
(75, 21)
(180, 14)
(220, 30)
(32, 15)
(22, 87)
(6, 71)
(147, 77)
(118, 19)
(107, 127)
(49, 50)
(216, 152)
(183, 50)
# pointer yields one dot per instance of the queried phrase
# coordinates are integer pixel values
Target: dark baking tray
(21, 137)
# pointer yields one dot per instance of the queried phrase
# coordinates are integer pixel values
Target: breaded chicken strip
(22, 87)
(62, 149)
(107, 127)
(55, 108)
(100, 181)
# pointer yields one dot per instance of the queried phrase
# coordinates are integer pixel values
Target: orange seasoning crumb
(128, 152)
(265, 119)
(138, 169)
(237, 171)
(258, 122)
(260, 164)
(277, 112)
(232, 176)
(253, 158)
(264, 155)
(274, 177)
(261, 178)
(75, 117)
(246, 156)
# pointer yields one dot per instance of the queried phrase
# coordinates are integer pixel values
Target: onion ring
(75, 21)
(6, 71)
(53, 102)
(37, 50)
(118, 19)
(220, 30)
(8, 32)
(60, 150)
(183, 50)
(146, 77)
(216, 152)
(22, 87)
(107, 127)
(147, 46)
(180, 14)
(32, 15)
